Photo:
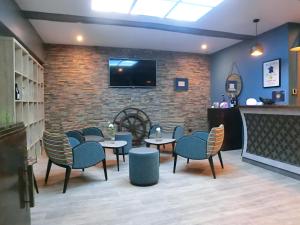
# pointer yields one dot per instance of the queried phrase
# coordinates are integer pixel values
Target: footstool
(143, 166)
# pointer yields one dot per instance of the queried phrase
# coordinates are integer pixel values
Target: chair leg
(175, 161)
(48, 170)
(211, 163)
(188, 161)
(173, 148)
(35, 183)
(67, 177)
(117, 156)
(123, 153)
(158, 148)
(220, 158)
(104, 168)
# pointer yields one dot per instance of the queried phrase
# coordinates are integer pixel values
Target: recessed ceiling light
(188, 12)
(204, 46)
(118, 6)
(79, 38)
(211, 3)
(158, 8)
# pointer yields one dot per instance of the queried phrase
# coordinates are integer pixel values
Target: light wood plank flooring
(241, 194)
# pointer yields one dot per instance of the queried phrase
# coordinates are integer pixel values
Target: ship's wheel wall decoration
(135, 121)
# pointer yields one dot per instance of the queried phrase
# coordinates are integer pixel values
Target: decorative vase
(112, 139)
(158, 136)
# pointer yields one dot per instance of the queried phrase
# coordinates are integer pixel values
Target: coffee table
(159, 142)
(93, 138)
(115, 145)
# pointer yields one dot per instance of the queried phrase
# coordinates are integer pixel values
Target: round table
(159, 141)
(115, 145)
(93, 138)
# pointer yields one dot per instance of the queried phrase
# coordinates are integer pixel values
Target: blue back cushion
(73, 141)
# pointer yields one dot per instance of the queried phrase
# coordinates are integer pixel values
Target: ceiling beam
(127, 23)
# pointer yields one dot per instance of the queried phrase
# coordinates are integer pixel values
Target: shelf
(25, 113)
(25, 63)
(17, 72)
(28, 74)
(18, 58)
(19, 112)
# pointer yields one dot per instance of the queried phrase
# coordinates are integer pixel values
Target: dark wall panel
(13, 23)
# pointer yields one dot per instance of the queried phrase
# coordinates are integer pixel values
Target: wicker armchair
(60, 152)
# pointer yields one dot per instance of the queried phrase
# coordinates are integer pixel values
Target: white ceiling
(125, 37)
(233, 16)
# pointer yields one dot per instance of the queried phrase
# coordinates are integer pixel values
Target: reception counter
(272, 137)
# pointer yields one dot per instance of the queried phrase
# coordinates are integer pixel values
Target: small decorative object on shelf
(266, 101)
(215, 105)
(111, 130)
(17, 92)
(158, 135)
(224, 103)
(251, 101)
(233, 101)
(278, 96)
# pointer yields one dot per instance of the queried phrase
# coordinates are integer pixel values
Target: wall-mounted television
(132, 72)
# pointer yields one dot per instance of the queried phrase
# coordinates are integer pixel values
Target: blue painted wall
(275, 43)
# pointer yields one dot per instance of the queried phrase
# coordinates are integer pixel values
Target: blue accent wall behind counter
(275, 43)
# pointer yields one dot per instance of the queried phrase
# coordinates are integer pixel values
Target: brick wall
(77, 92)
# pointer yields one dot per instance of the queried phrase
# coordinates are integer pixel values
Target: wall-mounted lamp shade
(256, 50)
(296, 46)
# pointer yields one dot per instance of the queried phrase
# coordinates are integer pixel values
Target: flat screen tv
(132, 73)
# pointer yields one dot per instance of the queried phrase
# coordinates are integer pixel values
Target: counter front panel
(276, 137)
(272, 136)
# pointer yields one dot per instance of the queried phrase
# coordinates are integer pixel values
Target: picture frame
(272, 73)
(181, 84)
(278, 96)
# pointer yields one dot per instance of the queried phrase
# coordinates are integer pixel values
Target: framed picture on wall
(271, 73)
(181, 84)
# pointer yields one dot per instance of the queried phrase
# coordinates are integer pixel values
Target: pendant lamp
(257, 49)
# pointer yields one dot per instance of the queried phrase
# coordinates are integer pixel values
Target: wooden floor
(241, 194)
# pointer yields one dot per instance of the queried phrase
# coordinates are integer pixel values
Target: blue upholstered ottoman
(124, 136)
(143, 166)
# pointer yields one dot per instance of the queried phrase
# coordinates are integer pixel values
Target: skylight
(150, 7)
(185, 10)
(211, 3)
(188, 12)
